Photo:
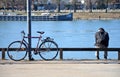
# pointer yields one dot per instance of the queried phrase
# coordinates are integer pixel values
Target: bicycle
(47, 49)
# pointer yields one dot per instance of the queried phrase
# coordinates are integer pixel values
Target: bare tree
(73, 2)
(4, 6)
(58, 4)
(44, 1)
(13, 2)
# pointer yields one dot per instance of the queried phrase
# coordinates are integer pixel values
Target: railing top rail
(77, 49)
(90, 49)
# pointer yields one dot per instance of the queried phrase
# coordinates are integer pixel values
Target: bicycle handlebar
(23, 33)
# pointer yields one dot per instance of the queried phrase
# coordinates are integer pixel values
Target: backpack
(102, 38)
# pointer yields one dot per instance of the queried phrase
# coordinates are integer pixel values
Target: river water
(79, 33)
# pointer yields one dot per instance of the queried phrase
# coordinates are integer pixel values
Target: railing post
(3, 54)
(61, 54)
(119, 55)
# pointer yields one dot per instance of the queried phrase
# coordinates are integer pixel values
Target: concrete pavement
(84, 68)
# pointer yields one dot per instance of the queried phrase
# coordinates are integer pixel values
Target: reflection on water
(78, 33)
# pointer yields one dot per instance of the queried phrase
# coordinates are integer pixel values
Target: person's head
(101, 30)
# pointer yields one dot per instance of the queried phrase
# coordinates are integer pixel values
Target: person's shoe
(98, 58)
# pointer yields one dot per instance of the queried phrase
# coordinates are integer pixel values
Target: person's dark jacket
(97, 36)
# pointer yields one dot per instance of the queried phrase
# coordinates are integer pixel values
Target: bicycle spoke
(18, 51)
(47, 54)
(49, 44)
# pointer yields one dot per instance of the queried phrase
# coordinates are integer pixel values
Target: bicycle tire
(46, 52)
(18, 53)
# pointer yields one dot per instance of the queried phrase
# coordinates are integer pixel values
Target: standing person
(101, 41)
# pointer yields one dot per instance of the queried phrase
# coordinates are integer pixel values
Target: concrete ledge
(84, 61)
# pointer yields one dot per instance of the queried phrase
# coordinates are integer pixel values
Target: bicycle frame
(24, 41)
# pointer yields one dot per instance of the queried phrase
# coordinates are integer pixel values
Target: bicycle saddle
(41, 32)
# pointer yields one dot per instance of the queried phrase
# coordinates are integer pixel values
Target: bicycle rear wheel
(17, 51)
(48, 50)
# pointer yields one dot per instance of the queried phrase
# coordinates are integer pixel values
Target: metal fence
(61, 50)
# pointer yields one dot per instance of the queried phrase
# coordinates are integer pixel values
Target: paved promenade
(72, 68)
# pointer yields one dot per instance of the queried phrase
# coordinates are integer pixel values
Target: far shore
(99, 14)
(96, 15)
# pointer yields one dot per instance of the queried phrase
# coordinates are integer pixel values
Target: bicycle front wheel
(48, 50)
(17, 51)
